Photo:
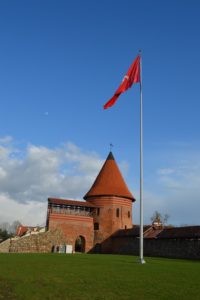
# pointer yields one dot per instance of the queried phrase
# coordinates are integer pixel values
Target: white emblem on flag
(125, 77)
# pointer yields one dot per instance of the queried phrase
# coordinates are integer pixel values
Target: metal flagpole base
(141, 261)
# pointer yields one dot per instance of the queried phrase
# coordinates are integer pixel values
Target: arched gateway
(80, 244)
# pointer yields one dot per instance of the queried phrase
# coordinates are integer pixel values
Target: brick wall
(108, 220)
(73, 226)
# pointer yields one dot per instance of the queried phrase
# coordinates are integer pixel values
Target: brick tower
(112, 199)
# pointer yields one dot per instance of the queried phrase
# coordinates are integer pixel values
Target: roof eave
(109, 195)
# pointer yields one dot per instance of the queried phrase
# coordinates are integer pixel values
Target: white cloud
(29, 177)
(172, 186)
(178, 191)
(32, 213)
(6, 139)
(166, 171)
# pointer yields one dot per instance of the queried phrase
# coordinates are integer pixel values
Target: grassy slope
(85, 277)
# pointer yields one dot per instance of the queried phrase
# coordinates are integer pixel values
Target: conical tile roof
(109, 182)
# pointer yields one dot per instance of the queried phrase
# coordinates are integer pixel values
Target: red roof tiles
(133, 232)
(109, 182)
(69, 202)
(21, 230)
(186, 232)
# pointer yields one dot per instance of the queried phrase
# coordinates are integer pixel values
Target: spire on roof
(110, 156)
(109, 182)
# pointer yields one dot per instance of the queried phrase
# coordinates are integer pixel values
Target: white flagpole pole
(141, 260)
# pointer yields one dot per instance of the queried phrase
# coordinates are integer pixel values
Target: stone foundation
(5, 246)
(37, 243)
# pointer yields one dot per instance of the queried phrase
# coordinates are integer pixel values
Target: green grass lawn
(93, 277)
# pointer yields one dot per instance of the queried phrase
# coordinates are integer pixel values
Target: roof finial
(111, 146)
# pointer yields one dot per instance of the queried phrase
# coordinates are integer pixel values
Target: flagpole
(141, 259)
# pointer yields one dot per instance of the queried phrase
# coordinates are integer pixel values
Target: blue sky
(60, 62)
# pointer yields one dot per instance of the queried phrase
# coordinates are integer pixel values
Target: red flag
(132, 76)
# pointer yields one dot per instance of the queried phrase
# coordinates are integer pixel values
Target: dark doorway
(80, 244)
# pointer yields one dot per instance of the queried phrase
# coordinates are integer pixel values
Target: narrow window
(125, 227)
(117, 212)
(98, 211)
(96, 226)
(129, 214)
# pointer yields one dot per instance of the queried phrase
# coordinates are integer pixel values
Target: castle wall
(37, 243)
(170, 248)
(5, 246)
(73, 226)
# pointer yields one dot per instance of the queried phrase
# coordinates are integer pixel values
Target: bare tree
(5, 226)
(159, 219)
(14, 226)
(10, 228)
